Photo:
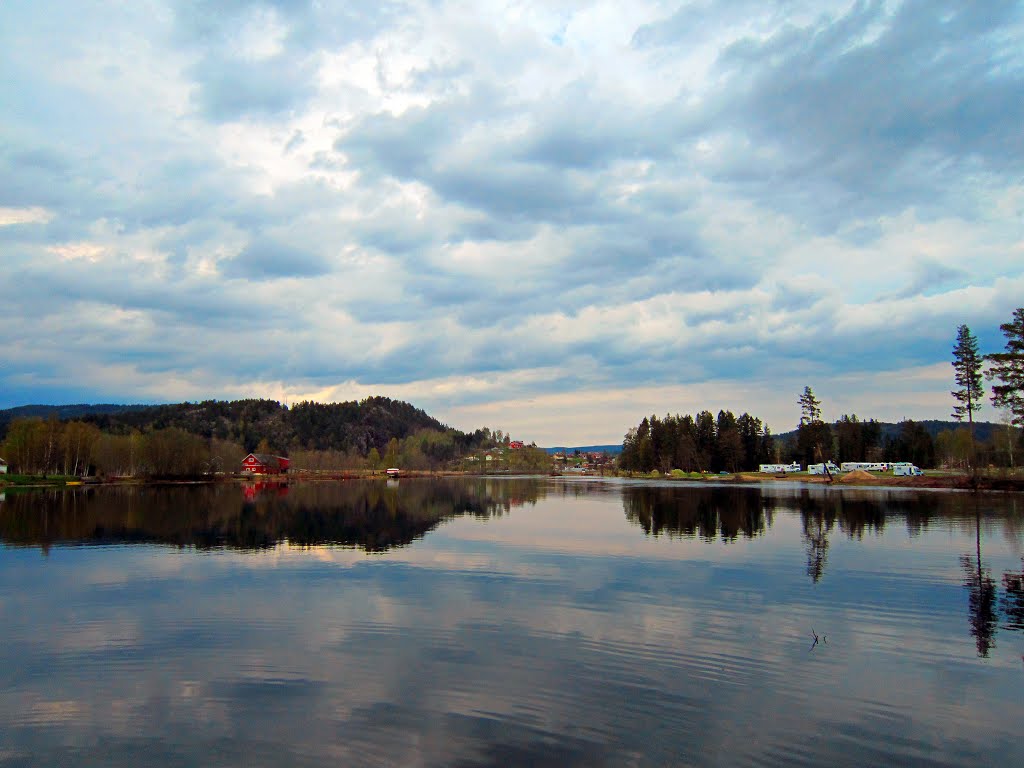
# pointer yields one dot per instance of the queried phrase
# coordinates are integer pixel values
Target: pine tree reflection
(818, 515)
(1013, 599)
(816, 530)
(707, 513)
(981, 595)
(365, 515)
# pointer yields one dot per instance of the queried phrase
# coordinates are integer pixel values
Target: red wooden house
(264, 464)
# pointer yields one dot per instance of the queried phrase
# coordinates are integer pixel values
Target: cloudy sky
(547, 217)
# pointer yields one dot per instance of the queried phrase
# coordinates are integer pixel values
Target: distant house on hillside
(515, 445)
(3, 467)
(264, 464)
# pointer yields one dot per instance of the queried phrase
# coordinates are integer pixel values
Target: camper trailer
(904, 469)
(779, 469)
(866, 466)
(824, 468)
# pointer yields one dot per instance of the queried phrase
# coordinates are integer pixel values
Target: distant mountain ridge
(75, 411)
(611, 449)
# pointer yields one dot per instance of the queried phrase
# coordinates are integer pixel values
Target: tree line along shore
(211, 438)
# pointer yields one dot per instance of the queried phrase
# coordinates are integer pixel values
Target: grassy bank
(15, 481)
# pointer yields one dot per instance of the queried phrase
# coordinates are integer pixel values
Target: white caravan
(819, 469)
(866, 466)
(904, 469)
(775, 469)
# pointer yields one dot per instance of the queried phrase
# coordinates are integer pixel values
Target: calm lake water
(540, 622)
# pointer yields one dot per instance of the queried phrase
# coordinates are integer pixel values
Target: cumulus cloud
(497, 211)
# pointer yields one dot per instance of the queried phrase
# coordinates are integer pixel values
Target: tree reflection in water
(376, 516)
(1013, 598)
(981, 595)
(368, 515)
(702, 512)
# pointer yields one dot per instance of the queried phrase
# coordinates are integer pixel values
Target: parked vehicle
(904, 470)
(779, 469)
(820, 469)
(866, 466)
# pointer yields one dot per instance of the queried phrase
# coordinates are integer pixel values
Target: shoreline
(962, 482)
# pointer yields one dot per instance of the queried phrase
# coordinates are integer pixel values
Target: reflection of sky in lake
(557, 633)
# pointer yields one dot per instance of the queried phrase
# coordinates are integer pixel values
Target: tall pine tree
(810, 407)
(1008, 369)
(967, 363)
(813, 436)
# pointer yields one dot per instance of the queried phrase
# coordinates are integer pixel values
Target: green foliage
(1007, 368)
(349, 426)
(814, 437)
(696, 444)
(810, 407)
(529, 458)
(373, 459)
(75, 448)
(856, 440)
(912, 443)
(967, 362)
(8, 479)
(214, 436)
(953, 448)
(37, 447)
(814, 443)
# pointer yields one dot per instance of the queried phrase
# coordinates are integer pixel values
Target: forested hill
(62, 412)
(983, 430)
(349, 426)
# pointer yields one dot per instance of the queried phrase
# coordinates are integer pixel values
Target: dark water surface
(510, 622)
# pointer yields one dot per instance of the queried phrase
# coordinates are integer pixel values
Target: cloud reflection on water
(552, 629)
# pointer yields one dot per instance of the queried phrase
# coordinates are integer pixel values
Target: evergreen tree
(704, 435)
(967, 374)
(1008, 369)
(810, 407)
(814, 437)
(750, 437)
(645, 448)
(728, 443)
(767, 452)
(686, 445)
(911, 443)
(849, 438)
